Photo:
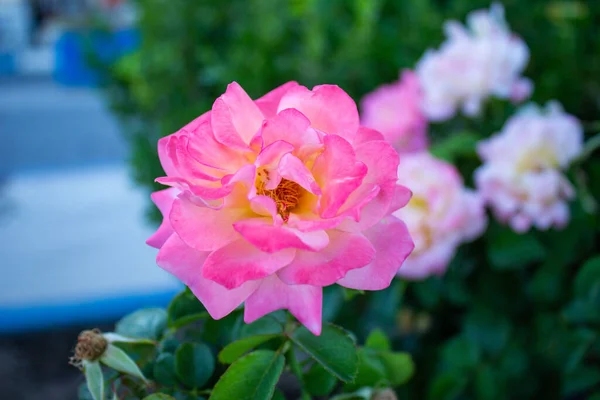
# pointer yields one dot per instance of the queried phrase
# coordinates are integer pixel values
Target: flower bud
(91, 345)
(385, 394)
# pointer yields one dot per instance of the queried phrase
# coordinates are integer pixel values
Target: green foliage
(333, 349)
(194, 364)
(252, 377)
(181, 362)
(147, 323)
(94, 380)
(516, 316)
(118, 360)
(185, 309)
(319, 382)
(235, 350)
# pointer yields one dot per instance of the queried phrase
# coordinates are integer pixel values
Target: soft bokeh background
(73, 224)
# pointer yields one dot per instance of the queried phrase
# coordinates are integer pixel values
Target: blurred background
(88, 86)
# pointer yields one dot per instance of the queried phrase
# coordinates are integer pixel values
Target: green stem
(589, 147)
(296, 370)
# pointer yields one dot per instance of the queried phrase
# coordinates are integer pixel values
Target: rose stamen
(286, 196)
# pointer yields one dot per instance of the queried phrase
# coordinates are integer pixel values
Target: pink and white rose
(522, 178)
(273, 199)
(395, 111)
(475, 62)
(440, 216)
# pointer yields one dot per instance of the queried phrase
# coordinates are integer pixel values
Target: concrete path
(72, 226)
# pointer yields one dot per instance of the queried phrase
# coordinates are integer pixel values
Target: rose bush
(507, 313)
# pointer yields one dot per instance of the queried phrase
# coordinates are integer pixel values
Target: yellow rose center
(286, 196)
(538, 159)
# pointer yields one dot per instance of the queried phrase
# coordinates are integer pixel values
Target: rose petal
(240, 261)
(186, 264)
(305, 302)
(269, 103)
(235, 118)
(271, 238)
(338, 173)
(291, 168)
(203, 228)
(365, 134)
(164, 201)
(328, 108)
(393, 244)
(291, 126)
(346, 251)
(382, 163)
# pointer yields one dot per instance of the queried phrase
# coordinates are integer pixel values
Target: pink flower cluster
(273, 199)
(440, 216)
(394, 110)
(521, 177)
(477, 61)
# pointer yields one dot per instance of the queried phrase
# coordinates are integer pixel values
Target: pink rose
(275, 198)
(480, 59)
(394, 110)
(441, 215)
(521, 178)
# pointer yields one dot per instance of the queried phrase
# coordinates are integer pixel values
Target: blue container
(7, 64)
(76, 50)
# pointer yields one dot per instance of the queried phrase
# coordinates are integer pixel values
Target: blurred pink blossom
(273, 199)
(394, 110)
(440, 216)
(477, 61)
(521, 177)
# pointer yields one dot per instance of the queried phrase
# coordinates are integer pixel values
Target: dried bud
(385, 394)
(91, 344)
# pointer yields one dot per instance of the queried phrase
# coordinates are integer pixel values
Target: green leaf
(487, 330)
(377, 340)
(194, 364)
(333, 301)
(117, 359)
(580, 380)
(235, 350)
(349, 294)
(460, 353)
(371, 371)
(159, 396)
(362, 394)
(218, 332)
(334, 349)
(485, 385)
(148, 323)
(94, 379)
(510, 250)
(185, 309)
(270, 324)
(112, 337)
(278, 395)
(582, 312)
(252, 377)
(456, 145)
(318, 381)
(164, 370)
(169, 345)
(547, 283)
(399, 367)
(587, 281)
(83, 393)
(447, 386)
